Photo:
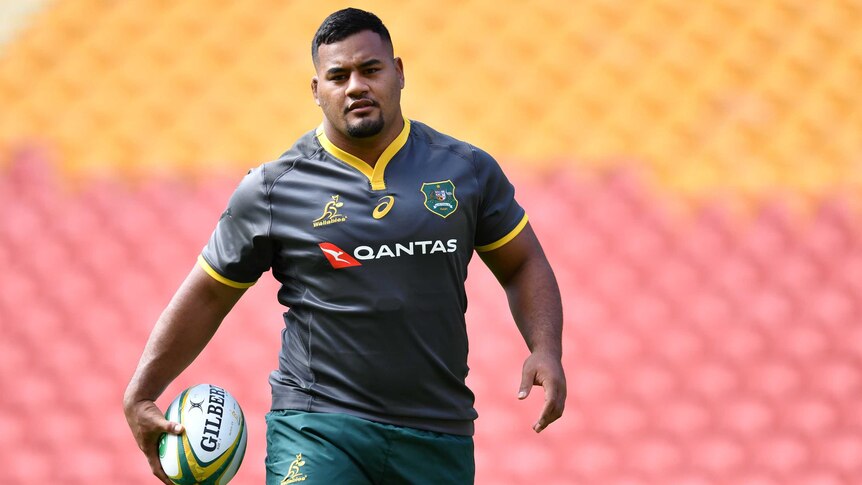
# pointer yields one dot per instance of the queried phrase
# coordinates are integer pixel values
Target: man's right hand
(182, 331)
(148, 424)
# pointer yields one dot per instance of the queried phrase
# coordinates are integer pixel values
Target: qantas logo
(339, 258)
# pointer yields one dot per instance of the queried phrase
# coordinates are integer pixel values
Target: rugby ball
(212, 446)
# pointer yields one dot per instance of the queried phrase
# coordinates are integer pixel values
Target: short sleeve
(240, 249)
(500, 217)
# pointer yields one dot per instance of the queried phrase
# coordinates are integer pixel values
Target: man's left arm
(534, 299)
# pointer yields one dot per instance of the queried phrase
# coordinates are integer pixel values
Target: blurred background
(693, 169)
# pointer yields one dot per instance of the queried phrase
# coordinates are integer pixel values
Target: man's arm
(534, 299)
(181, 332)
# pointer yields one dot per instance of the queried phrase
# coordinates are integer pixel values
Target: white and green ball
(211, 449)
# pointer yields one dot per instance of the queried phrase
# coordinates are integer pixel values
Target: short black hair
(344, 23)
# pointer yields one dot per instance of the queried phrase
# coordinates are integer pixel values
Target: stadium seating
(692, 169)
(737, 97)
(701, 347)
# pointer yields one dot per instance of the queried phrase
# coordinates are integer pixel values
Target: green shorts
(323, 448)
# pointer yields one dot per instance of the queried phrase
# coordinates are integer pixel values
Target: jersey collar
(374, 174)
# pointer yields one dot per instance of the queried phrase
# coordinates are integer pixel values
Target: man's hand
(148, 424)
(546, 371)
(182, 331)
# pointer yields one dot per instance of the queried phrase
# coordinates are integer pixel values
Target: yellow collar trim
(374, 174)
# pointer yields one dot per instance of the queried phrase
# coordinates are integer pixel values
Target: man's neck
(366, 149)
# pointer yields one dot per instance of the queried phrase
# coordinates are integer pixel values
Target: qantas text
(409, 249)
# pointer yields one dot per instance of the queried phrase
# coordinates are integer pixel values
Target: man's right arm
(180, 334)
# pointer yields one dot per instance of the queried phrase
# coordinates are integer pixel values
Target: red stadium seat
(31, 464)
(699, 349)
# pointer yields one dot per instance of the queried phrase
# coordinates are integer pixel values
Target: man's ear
(314, 90)
(399, 67)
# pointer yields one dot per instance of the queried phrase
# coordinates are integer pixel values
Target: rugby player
(368, 222)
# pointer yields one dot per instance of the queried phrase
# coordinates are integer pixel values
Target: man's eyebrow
(370, 63)
(341, 69)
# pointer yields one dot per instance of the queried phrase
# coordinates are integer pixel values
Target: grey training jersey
(372, 264)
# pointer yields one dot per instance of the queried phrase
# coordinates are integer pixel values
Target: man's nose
(356, 85)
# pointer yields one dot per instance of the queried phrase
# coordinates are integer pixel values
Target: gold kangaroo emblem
(293, 473)
(330, 210)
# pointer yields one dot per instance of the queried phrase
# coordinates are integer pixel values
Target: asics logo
(383, 207)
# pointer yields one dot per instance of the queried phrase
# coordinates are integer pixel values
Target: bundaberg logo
(294, 474)
(440, 197)
(330, 213)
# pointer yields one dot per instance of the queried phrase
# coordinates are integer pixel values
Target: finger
(173, 428)
(528, 378)
(149, 425)
(152, 446)
(156, 465)
(553, 408)
(153, 433)
(159, 425)
(148, 420)
(160, 474)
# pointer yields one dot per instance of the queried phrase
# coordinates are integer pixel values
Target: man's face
(358, 85)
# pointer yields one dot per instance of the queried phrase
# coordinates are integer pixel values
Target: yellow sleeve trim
(221, 279)
(505, 239)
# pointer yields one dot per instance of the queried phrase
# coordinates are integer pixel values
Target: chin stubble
(365, 128)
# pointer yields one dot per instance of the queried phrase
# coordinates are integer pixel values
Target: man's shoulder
(439, 140)
(304, 148)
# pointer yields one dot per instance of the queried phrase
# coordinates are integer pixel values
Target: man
(369, 223)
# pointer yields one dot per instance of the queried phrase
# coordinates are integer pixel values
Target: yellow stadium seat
(665, 82)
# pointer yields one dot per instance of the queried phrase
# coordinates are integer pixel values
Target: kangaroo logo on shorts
(440, 197)
(293, 473)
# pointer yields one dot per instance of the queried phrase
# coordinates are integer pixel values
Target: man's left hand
(546, 371)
